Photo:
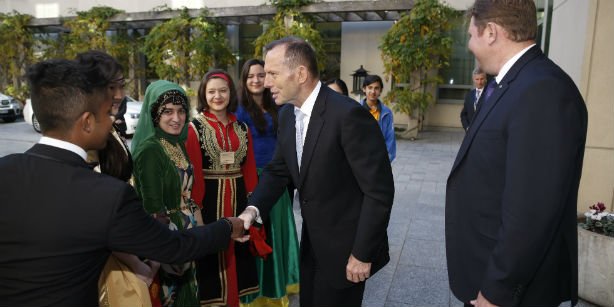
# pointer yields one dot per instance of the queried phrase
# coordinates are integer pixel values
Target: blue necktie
(489, 89)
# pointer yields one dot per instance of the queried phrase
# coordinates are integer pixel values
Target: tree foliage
(184, 48)
(290, 21)
(89, 30)
(17, 51)
(289, 4)
(413, 50)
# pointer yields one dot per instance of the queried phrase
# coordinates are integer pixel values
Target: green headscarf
(146, 128)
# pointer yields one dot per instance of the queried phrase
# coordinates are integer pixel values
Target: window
(457, 76)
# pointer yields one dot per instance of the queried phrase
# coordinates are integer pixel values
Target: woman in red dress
(221, 148)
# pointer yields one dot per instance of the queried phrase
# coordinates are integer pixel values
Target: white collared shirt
(307, 108)
(506, 67)
(45, 140)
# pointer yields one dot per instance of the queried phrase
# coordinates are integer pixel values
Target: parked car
(10, 108)
(29, 117)
(133, 110)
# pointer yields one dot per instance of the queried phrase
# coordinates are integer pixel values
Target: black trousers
(315, 290)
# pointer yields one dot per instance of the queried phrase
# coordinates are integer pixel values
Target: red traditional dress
(224, 154)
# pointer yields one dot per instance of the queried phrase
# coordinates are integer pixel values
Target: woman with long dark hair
(278, 273)
(125, 278)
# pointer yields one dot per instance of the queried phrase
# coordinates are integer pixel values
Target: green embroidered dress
(163, 179)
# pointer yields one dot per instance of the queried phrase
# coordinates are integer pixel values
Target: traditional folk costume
(163, 177)
(223, 154)
(279, 273)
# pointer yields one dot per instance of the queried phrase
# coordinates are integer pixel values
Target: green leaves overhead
(184, 48)
(290, 21)
(17, 49)
(89, 31)
(413, 50)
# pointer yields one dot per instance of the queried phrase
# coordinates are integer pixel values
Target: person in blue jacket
(372, 86)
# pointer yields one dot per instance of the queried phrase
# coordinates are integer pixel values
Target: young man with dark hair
(373, 87)
(61, 220)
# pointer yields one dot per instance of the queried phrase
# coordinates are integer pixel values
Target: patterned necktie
(299, 135)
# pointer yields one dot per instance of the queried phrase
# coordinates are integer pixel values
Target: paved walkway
(417, 275)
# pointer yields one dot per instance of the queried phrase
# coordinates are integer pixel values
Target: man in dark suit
(60, 219)
(472, 97)
(342, 175)
(511, 234)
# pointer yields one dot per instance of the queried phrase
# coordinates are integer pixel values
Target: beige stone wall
(359, 46)
(583, 49)
(444, 115)
(598, 76)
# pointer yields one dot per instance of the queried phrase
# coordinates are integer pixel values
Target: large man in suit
(511, 195)
(60, 219)
(342, 175)
(472, 98)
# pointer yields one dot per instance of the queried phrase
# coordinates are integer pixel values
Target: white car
(29, 117)
(133, 110)
(10, 108)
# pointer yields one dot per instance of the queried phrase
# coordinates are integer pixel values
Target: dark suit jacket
(512, 192)
(467, 111)
(345, 183)
(60, 220)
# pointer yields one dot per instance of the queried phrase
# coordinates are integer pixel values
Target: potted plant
(596, 256)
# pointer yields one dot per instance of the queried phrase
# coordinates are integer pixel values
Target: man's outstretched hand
(248, 216)
(237, 227)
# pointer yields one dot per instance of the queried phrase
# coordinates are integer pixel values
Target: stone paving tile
(424, 229)
(397, 233)
(418, 286)
(423, 253)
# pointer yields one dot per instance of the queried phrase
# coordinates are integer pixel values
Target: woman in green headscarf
(163, 179)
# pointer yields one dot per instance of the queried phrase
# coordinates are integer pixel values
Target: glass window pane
(457, 76)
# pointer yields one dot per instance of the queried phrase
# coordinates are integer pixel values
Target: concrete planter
(596, 267)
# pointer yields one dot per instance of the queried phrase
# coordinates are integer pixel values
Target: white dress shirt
(45, 140)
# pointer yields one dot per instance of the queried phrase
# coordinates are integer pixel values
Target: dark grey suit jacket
(345, 183)
(511, 195)
(468, 111)
(60, 220)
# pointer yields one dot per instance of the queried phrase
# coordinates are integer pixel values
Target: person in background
(164, 177)
(278, 273)
(373, 86)
(338, 86)
(511, 196)
(220, 148)
(473, 97)
(115, 160)
(120, 121)
(334, 153)
(69, 217)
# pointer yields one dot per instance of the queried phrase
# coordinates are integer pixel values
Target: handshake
(240, 225)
